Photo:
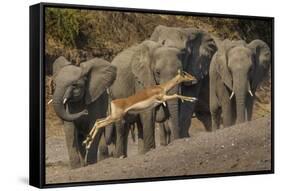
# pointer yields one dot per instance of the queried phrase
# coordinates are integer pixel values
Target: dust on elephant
(198, 48)
(236, 70)
(140, 66)
(79, 99)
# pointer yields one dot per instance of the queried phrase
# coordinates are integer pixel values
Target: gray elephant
(140, 66)
(79, 99)
(236, 71)
(197, 48)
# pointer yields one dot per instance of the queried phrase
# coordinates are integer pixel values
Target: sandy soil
(245, 147)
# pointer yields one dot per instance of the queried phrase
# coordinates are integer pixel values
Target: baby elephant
(236, 70)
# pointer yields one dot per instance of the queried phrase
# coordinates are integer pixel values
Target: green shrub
(62, 25)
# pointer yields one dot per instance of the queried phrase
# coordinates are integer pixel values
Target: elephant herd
(227, 72)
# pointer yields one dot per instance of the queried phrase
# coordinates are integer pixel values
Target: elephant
(79, 99)
(198, 48)
(236, 71)
(144, 65)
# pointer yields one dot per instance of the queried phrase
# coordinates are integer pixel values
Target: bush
(82, 34)
(62, 25)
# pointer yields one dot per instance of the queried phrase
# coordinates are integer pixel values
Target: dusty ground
(245, 147)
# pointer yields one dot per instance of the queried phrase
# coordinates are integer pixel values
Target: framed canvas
(123, 95)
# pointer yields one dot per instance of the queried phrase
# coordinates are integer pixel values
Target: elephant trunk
(59, 107)
(240, 108)
(173, 106)
(241, 90)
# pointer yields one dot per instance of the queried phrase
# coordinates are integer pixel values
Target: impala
(143, 100)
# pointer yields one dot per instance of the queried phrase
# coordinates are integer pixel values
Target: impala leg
(187, 98)
(88, 138)
(176, 96)
(99, 124)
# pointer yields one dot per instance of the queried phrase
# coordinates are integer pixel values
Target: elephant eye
(76, 87)
(157, 72)
(76, 90)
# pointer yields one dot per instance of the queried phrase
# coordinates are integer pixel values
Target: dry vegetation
(81, 34)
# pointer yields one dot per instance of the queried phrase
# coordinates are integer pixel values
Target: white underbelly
(143, 105)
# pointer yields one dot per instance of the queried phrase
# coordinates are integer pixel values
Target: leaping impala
(145, 99)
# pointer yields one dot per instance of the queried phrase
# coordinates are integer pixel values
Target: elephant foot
(214, 128)
(187, 135)
(103, 153)
(209, 129)
(75, 165)
(119, 155)
(122, 157)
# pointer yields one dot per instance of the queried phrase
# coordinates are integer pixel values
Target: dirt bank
(245, 147)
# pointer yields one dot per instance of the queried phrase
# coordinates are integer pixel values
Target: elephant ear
(222, 63)
(59, 63)
(156, 33)
(262, 61)
(64, 73)
(100, 75)
(206, 51)
(141, 63)
(200, 48)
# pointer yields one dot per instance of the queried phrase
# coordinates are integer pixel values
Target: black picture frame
(37, 95)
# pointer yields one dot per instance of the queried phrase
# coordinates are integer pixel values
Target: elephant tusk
(164, 103)
(232, 94)
(51, 100)
(249, 89)
(64, 101)
(250, 92)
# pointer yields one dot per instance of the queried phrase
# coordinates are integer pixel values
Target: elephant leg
(215, 117)
(250, 104)
(227, 114)
(186, 111)
(168, 130)
(132, 130)
(163, 134)
(126, 134)
(72, 144)
(215, 111)
(205, 118)
(109, 133)
(187, 108)
(120, 136)
(162, 115)
(148, 121)
(140, 135)
(103, 149)
(92, 154)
